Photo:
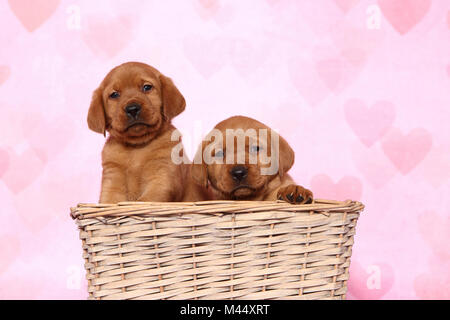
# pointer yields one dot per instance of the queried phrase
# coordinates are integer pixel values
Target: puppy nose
(132, 110)
(239, 173)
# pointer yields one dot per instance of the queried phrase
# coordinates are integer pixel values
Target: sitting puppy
(243, 159)
(135, 104)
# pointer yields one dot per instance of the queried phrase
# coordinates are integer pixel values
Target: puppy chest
(134, 179)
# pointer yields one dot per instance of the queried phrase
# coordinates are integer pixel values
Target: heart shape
(369, 124)
(406, 151)
(32, 14)
(370, 282)
(23, 170)
(4, 74)
(346, 188)
(346, 5)
(338, 67)
(374, 166)
(403, 15)
(106, 36)
(330, 71)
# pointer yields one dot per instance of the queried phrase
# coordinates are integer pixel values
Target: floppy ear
(96, 116)
(198, 169)
(173, 100)
(286, 157)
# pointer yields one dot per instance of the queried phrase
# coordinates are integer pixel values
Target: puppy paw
(295, 194)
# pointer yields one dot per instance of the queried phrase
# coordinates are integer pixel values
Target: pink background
(360, 88)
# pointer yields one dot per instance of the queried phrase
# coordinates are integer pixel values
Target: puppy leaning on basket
(243, 159)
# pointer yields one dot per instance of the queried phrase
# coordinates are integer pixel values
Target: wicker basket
(217, 249)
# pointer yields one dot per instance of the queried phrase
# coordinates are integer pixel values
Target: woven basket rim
(213, 207)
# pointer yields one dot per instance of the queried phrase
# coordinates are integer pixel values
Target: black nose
(133, 110)
(239, 173)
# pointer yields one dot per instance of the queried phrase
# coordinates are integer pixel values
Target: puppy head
(236, 156)
(133, 102)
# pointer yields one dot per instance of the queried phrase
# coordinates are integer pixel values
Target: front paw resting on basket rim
(295, 194)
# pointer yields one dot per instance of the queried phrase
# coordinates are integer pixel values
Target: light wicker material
(217, 249)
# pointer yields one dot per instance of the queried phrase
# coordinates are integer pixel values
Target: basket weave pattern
(217, 249)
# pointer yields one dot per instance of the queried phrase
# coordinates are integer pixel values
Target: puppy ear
(96, 116)
(198, 169)
(286, 156)
(173, 100)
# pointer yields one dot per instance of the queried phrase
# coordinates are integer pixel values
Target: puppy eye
(255, 149)
(147, 87)
(219, 154)
(114, 95)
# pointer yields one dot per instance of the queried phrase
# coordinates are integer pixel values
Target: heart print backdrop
(359, 88)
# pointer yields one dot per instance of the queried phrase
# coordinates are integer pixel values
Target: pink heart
(107, 36)
(370, 282)
(32, 14)
(374, 166)
(336, 67)
(4, 162)
(330, 71)
(346, 5)
(207, 62)
(347, 188)
(4, 74)
(403, 15)
(10, 251)
(23, 170)
(48, 137)
(406, 152)
(369, 124)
